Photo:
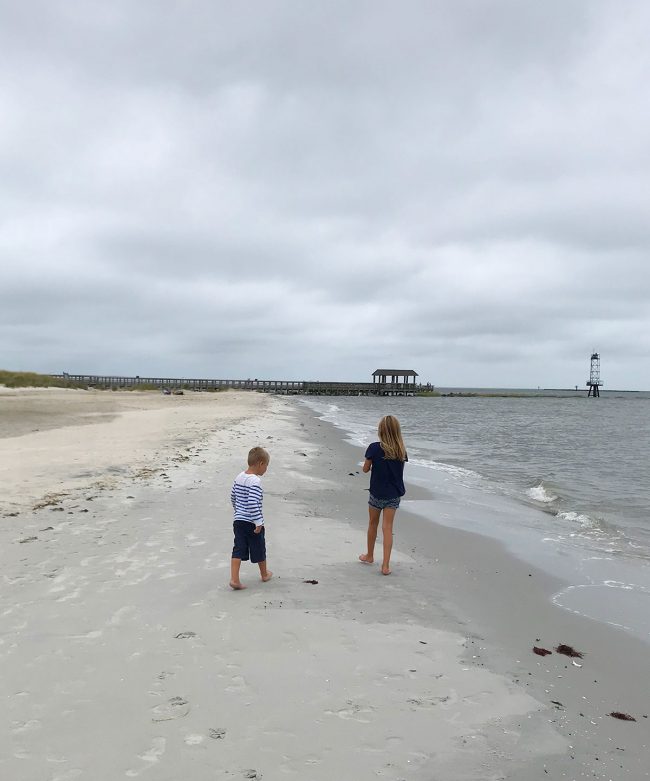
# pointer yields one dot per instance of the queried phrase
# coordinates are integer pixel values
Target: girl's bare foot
(267, 576)
(237, 586)
(366, 559)
(385, 570)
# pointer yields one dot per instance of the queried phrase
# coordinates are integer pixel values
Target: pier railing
(288, 387)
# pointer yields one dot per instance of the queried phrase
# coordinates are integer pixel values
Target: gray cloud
(280, 189)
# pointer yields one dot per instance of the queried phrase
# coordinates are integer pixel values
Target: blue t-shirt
(387, 475)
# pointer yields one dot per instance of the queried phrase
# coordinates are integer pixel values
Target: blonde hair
(390, 437)
(258, 455)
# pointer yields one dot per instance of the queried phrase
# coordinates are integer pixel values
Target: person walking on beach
(248, 524)
(385, 462)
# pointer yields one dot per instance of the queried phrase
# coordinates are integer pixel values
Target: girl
(386, 460)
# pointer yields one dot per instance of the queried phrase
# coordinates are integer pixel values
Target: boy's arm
(232, 497)
(259, 521)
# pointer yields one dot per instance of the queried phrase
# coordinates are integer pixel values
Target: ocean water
(561, 479)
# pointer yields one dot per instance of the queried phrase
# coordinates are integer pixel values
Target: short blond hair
(258, 455)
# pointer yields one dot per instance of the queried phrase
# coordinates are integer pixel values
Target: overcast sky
(313, 190)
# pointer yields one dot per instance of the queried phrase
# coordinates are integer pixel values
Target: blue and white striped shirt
(246, 497)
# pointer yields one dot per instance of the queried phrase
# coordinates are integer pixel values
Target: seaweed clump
(568, 650)
(616, 714)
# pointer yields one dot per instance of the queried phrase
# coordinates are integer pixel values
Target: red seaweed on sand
(568, 650)
(616, 714)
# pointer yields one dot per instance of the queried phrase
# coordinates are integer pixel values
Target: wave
(450, 469)
(540, 493)
(601, 535)
(358, 433)
(583, 521)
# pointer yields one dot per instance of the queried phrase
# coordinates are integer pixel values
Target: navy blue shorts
(382, 504)
(248, 545)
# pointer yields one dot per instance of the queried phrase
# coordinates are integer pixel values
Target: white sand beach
(125, 654)
(55, 441)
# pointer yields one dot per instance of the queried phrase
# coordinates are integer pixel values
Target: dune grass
(33, 380)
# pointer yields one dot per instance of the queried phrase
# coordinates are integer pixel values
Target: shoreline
(121, 634)
(544, 516)
(505, 607)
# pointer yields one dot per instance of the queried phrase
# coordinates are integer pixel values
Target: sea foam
(540, 494)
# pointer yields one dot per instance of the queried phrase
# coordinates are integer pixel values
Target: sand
(125, 654)
(54, 442)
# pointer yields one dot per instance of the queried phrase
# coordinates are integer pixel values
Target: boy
(248, 525)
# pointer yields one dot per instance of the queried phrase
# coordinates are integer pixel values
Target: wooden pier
(284, 387)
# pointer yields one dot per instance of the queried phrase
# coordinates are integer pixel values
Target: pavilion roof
(400, 372)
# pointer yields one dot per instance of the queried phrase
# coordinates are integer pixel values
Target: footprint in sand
(151, 756)
(238, 684)
(428, 702)
(174, 708)
(118, 616)
(25, 726)
(353, 712)
(69, 775)
(217, 733)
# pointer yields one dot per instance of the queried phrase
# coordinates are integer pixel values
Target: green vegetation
(34, 380)
(428, 393)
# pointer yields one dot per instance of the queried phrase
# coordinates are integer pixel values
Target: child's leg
(258, 553)
(235, 582)
(373, 525)
(387, 532)
(265, 573)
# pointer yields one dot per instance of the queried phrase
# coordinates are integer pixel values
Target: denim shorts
(382, 504)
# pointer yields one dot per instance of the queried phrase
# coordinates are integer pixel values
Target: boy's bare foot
(385, 570)
(237, 586)
(268, 576)
(366, 559)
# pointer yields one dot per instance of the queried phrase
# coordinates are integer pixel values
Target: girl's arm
(366, 465)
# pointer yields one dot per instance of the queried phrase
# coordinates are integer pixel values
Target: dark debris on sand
(568, 650)
(616, 714)
(541, 651)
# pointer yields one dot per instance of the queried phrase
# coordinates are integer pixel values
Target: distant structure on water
(594, 382)
(382, 375)
(385, 382)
